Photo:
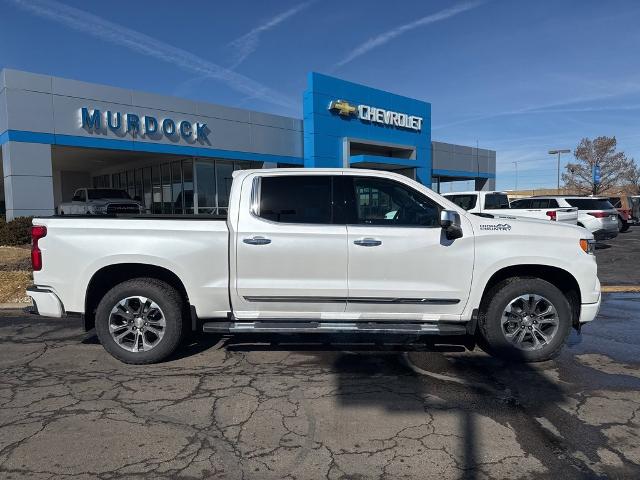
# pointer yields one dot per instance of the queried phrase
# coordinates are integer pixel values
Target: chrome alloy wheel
(530, 322)
(137, 324)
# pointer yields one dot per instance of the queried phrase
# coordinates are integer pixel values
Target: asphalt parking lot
(279, 407)
(619, 259)
(301, 407)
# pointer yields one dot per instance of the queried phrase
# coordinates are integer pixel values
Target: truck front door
(400, 263)
(291, 249)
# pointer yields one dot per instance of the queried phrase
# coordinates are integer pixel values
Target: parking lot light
(559, 152)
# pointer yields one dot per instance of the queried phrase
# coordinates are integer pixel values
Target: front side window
(378, 201)
(296, 199)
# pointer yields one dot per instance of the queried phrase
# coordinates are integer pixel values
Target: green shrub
(15, 232)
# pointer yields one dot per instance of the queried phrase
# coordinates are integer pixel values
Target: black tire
(625, 226)
(620, 224)
(171, 306)
(493, 340)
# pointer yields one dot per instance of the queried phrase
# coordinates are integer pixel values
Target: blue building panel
(326, 130)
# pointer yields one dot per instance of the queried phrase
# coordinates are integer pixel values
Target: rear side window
(496, 201)
(590, 203)
(296, 199)
(616, 202)
(463, 200)
(539, 203)
(524, 203)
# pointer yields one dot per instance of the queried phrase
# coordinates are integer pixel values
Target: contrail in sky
(248, 43)
(385, 37)
(141, 43)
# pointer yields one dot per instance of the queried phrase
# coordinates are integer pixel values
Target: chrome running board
(306, 326)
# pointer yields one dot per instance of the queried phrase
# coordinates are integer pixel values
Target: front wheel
(139, 321)
(526, 319)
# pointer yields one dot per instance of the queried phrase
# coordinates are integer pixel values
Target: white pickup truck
(306, 250)
(100, 201)
(497, 204)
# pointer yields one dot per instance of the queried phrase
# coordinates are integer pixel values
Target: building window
(170, 187)
(101, 181)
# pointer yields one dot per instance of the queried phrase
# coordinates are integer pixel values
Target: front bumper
(45, 302)
(589, 311)
(605, 234)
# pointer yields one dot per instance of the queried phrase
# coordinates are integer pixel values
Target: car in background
(497, 204)
(635, 208)
(596, 214)
(100, 201)
(624, 206)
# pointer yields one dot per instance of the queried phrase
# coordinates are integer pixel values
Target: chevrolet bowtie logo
(343, 107)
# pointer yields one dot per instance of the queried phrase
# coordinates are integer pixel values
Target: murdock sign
(94, 120)
(371, 114)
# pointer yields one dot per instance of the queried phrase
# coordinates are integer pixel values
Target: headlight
(588, 246)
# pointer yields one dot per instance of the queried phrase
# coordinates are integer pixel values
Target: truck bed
(194, 248)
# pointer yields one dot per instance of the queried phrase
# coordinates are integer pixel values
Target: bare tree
(615, 168)
(634, 179)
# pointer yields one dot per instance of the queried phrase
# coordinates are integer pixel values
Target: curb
(620, 289)
(13, 306)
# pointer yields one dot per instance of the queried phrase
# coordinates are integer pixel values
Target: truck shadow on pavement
(489, 416)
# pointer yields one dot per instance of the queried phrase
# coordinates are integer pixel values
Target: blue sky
(517, 76)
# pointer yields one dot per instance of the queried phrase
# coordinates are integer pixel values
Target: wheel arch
(560, 278)
(109, 276)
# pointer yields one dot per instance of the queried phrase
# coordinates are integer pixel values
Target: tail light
(37, 232)
(598, 214)
(553, 215)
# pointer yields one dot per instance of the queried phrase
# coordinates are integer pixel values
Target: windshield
(466, 201)
(98, 193)
(590, 203)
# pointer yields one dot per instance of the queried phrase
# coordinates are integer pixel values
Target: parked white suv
(497, 204)
(595, 214)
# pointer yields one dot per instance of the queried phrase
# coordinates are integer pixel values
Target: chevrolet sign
(371, 114)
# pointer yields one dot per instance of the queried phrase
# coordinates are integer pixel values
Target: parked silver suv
(594, 213)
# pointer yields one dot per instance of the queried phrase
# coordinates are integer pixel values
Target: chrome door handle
(368, 242)
(257, 241)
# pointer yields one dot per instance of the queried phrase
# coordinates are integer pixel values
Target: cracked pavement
(260, 407)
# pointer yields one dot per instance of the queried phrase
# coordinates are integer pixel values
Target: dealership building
(178, 156)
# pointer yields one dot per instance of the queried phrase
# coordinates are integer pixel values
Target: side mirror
(450, 223)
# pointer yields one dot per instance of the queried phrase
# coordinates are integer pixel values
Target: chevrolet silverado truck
(497, 204)
(315, 251)
(100, 201)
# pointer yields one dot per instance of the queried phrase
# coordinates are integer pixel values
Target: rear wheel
(140, 321)
(623, 225)
(526, 319)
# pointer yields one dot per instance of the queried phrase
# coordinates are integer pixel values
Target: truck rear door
(291, 248)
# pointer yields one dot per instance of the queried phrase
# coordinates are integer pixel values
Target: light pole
(559, 152)
(516, 164)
